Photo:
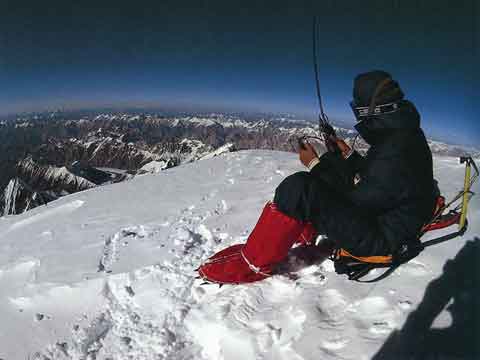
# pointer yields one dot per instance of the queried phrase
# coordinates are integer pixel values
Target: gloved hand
(336, 143)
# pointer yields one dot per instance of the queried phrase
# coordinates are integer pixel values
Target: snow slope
(108, 273)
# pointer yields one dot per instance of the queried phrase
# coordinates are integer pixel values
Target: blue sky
(241, 57)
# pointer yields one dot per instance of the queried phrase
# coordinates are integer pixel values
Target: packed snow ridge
(109, 273)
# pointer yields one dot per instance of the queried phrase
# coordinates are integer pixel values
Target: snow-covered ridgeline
(153, 167)
(221, 150)
(109, 273)
(201, 121)
(9, 196)
(98, 146)
(34, 185)
(222, 123)
(296, 128)
(189, 150)
(194, 150)
(17, 197)
(53, 174)
(24, 124)
(441, 148)
(104, 149)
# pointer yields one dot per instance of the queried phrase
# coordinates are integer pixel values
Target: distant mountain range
(44, 157)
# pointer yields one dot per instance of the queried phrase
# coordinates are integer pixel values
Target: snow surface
(108, 273)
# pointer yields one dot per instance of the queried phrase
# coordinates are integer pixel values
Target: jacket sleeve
(334, 170)
(378, 188)
(355, 162)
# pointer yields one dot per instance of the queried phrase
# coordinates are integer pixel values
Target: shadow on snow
(460, 283)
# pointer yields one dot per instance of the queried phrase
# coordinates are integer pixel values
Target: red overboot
(268, 244)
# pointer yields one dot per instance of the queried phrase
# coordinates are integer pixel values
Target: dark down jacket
(393, 193)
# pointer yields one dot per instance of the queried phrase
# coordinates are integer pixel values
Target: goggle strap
(362, 111)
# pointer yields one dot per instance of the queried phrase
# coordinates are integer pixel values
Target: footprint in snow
(111, 248)
(331, 306)
(375, 315)
(331, 346)
(405, 305)
(193, 241)
(187, 210)
(221, 208)
(414, 268)
(22, 272)
(39, 317)
(210, 195)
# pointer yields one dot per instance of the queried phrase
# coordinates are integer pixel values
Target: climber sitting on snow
(368, 205)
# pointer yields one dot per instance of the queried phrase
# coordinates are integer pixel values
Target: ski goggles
(363, 111)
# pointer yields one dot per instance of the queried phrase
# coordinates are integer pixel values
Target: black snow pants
(306, 198)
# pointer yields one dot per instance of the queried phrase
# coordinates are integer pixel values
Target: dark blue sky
(231, 55)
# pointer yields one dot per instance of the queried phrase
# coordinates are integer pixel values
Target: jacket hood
(374, 129)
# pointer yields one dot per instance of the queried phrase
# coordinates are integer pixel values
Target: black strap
(387, 273)
(409, 254)
(447, 237)
(406, 254)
